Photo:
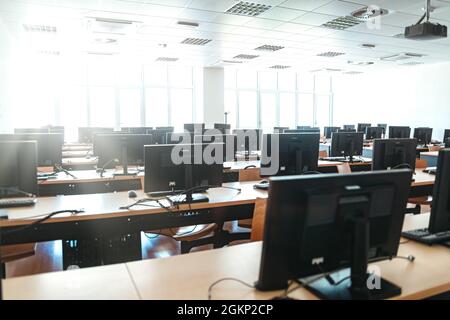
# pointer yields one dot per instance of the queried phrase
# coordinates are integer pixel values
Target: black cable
(48, 216)
(227, 279)
(402, 166)
(102, 170)
(61, 169)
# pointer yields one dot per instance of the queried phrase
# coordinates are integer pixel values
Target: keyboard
(12, 203)
(334, 159)
(430, 170)
(424, 236)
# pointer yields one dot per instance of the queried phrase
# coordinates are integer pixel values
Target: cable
(227, 279)
(402, 166)
(61, 169)
(102, 170)
(48, 216)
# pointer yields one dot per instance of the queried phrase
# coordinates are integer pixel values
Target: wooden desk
(76, 154)
(104, 283)
(79, 163)
(161, 278)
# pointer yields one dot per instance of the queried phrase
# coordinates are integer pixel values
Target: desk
(76, 153)
(161, 278)
(79, 163)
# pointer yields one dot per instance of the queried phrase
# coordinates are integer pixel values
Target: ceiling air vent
(188, 24)
(39, 28)
(244, 8)
(268, 47)
(231, 61)
(196, 41)
(245, 56)
(330, 54)
(368, 45)
(352, 72)
(360, 63)
(401, 56)
(411, 63)
(341, 23)
(369, 12)
(167, 59)
(279, 67)
(49, 52)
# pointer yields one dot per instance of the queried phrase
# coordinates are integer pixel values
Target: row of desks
(161, 278)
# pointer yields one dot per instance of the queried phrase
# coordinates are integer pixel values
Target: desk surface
(161, 278)
(82, 176)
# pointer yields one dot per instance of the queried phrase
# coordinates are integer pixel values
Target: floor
(48, 254)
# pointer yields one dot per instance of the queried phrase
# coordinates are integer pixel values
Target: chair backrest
(343, 168)
(259, 215)
(323, 154)
(421, 163)
(250, 174)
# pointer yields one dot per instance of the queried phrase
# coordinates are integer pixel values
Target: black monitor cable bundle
(103, 169)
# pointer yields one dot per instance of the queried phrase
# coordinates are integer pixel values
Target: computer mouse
(132, 194)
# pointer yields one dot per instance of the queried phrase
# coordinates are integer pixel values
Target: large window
(266, 99)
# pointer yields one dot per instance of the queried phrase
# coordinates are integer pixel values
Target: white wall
(416, 96)
(213, 96)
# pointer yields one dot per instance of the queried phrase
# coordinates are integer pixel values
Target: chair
(343, 168)
(323, 154)
(259, 216)
(15, 252)
(250, 174)
(419, 201)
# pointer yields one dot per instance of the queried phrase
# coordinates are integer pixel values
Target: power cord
(227, 279)
(102, 169)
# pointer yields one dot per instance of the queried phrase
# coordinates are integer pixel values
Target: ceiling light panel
(401, 56)
(279, 67)
(39, 28)
(330, 54)
(268, 47)
(341, 23)
(167, 59)
(244, 8)
(245, 56)
(196, 41)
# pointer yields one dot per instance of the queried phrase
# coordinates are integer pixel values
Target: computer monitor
(303, 127)
(384, 126)
(18, 168)
(86, 134)
(159, 136)
(447, 143)
(394, 154)
(179, 137)
(333, 225)
(289, 153)
(347, 144)
(124, 149)
(166, 128)
(135, 130)
(248, 140)
(399, 132)
(279, 129)
(440, 207)
(308, 130)
(346, 130)
(229, 144)
(195, 128)
(374, 133)
(446, 135)
(423, 135)
(163, 176)
(362, 127)
(327, 131)
(223, 127)
(348, 127)
(49, 146)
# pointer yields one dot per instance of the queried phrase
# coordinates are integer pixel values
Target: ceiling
(148, 30)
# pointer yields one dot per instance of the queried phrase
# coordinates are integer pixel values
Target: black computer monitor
(279, 129)
(303, 130)
(440, 207)
(229, 144)
(348, 127)
(289, 153)
(123, 149)
(447, 143)
(179, 137)
(135, 130)
(159, 136)
(327, 131)
(248, 140)
(303, 127)
(18, 168)
(223, 127)
(399, 132)
(362, 127)
(195, 128)
(446, 135)
(423, 135)
(86, 134)
(347, 144)
(374, 133)
(165, 175)
(346, 130)
(333, 225)
(384, 126)
(394, 154)
(49, 146)
(166, 128)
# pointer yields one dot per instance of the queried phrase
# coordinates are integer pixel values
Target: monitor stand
(358, 284)
(125, 164)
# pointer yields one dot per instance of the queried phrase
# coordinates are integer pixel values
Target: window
(181, 108)
(230, 107)
(287, 110)
(156, 107)
(72, 103)
(130, 107)
(248, 109)
(322, 110)
(102, 105)
(305, 109)
(286, 81)
(246, 79)
(268, 81)
(268, 111)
